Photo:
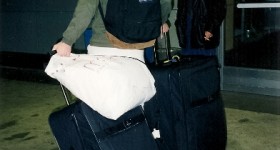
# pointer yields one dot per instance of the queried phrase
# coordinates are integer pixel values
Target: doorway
(250, 53)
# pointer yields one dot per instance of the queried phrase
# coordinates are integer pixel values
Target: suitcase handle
(63, 89)
(65, 95)
(126, 124)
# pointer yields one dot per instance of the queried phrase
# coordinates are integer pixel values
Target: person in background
(187, 111)
(198, 25)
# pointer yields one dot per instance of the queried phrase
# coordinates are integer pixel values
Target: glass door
(251, 47)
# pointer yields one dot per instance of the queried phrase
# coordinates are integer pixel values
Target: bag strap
(126, 124)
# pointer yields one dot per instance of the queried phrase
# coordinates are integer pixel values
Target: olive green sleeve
(83, 14)
(166, 7)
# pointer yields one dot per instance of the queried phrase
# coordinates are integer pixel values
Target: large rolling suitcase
(78, 127)
(187, 108)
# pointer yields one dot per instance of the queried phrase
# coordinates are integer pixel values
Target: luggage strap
(126, 124)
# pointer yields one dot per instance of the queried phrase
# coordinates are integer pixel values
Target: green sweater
(87, 14)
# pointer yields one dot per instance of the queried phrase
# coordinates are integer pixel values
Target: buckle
(127, 123)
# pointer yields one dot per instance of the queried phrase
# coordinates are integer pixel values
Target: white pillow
(111, 85)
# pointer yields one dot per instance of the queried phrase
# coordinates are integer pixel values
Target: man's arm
(166, 7)
(216, 14)
(82, 16)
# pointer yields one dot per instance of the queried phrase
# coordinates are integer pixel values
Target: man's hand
(208, 35)
(62, 49)
(163, 29)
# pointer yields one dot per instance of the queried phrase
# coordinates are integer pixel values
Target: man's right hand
(62, 49)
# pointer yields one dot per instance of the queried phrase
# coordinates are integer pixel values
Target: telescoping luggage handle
(66, 94)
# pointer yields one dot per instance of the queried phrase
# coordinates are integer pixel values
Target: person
(83, 17)
(198, 25)
(188, 109)
(128, 75)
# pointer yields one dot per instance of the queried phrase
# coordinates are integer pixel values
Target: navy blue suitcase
(187, 108)
(78, 127)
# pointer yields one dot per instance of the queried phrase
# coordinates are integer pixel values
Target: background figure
(198, 29)
(187, 108)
